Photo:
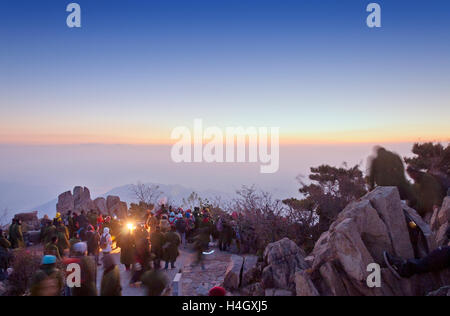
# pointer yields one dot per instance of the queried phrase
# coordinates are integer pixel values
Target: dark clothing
(170, 248)
(88, 278)
(180, 225)
(82, 221)
(156, 242)
(127, 249)
(5, 255)
(93, 242)
(111, 282)
(155, 281)
(225, 237)
(437, 260)
(48, 281)
(63, 239)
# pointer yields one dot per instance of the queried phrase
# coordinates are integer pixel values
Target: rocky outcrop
(282, 260)
(363, 230)
(100, 205)
(443, 291)
(304, 286)
(440, 222)
(116, 207)
(250, 270)
(80, 200)
(232, 279)
(65, 203)
(30, 221)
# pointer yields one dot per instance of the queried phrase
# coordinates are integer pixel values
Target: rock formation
(282, 260)
(363, 230)
(339, 264)
(440, 222)
(80, 200)
(30, 221)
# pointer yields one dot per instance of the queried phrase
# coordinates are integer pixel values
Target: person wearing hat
(110, 285)
(48, 280)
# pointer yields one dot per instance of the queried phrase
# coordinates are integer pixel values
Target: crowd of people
(145, 241)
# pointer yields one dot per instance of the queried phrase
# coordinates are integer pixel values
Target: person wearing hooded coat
(48, 280)
(170, 248)
(106, 241)
(110, 285)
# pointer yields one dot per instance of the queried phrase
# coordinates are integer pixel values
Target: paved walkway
(194, 280)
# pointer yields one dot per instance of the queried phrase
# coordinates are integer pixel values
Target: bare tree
(145, 193)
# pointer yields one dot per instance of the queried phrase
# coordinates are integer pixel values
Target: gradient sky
(137, 69)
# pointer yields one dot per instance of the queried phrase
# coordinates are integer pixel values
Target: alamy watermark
(229, 145)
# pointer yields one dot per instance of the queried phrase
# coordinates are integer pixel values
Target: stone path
(194, 281)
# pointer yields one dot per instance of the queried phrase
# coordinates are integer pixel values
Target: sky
(137, 69)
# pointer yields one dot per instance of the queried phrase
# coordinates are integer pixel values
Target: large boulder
(282, 259)
(304, 285)
(65, 203)
(111, 201)
(100, 204)
(440, 222)
(232, 279)
(250, 270)
(362, 231)
(82, 200)
(30, 221)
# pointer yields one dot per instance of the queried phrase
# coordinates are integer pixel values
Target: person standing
(180, 225)
(88, 271)
(111, 278)
(106, 241)
(52, 248)
(170, 248)
(164, 224)
(5, 255)
(16, 235)
(127, 250)
(156, 243)
(63, 238)
(48, 280)
(93, 244)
